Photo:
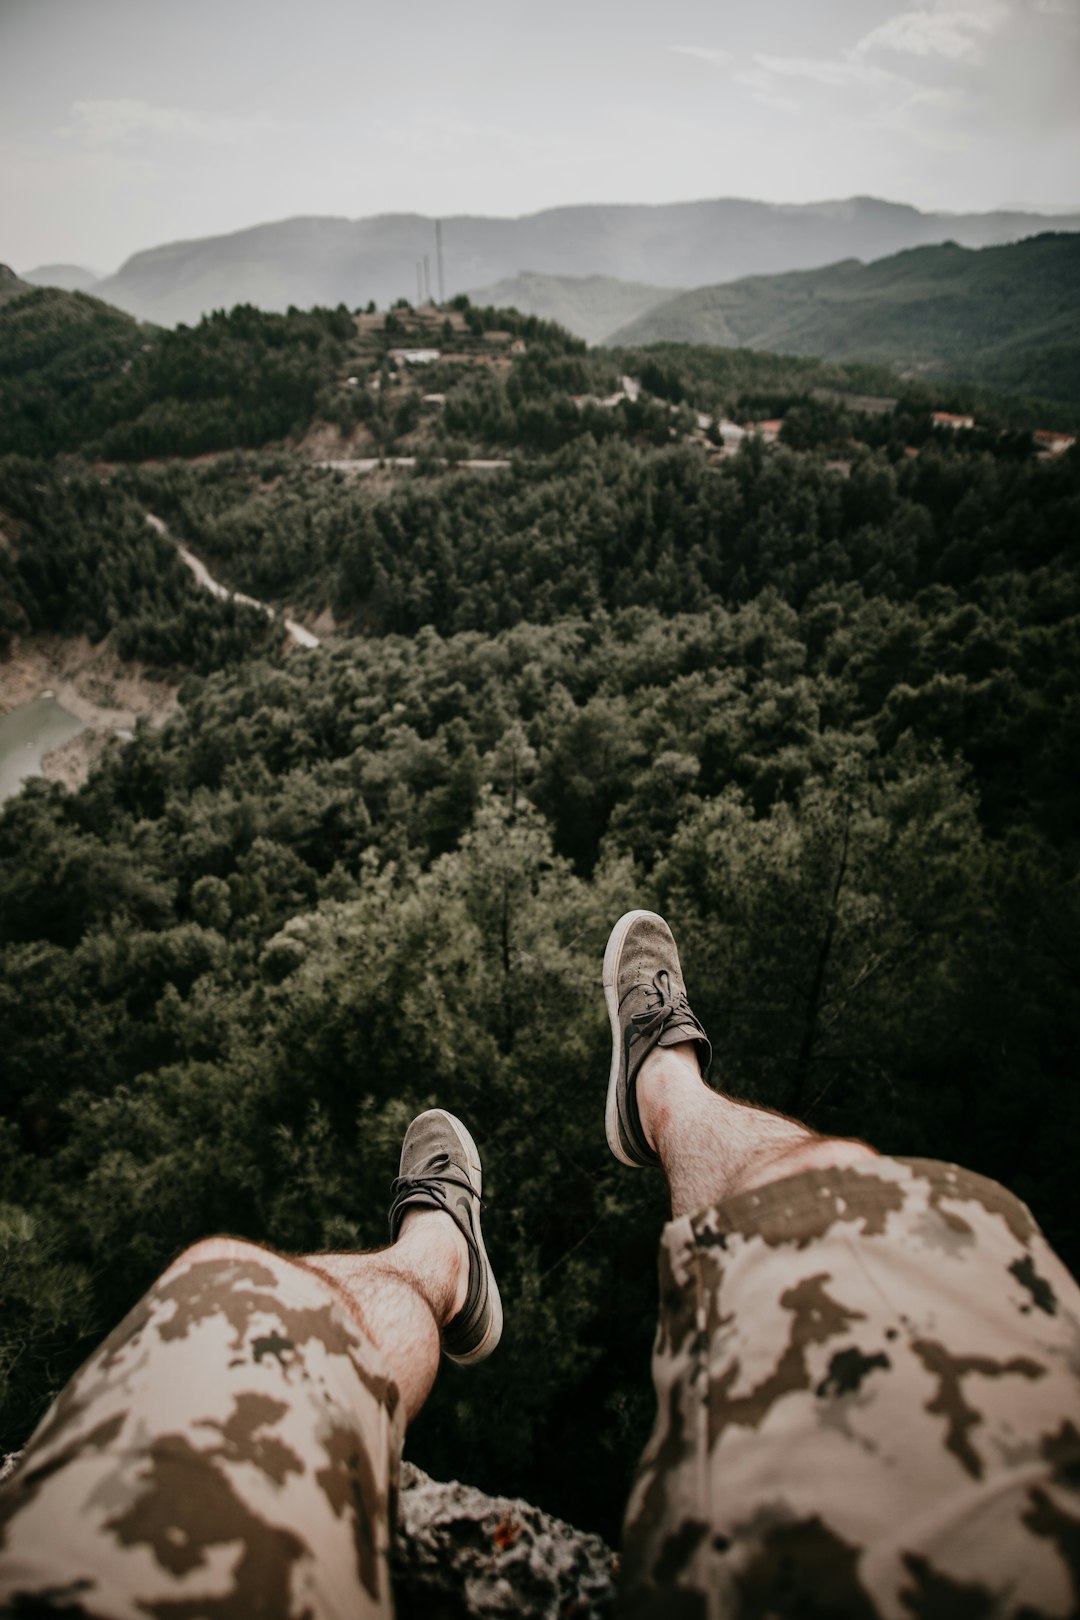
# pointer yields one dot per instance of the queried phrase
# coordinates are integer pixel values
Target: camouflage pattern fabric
(231, 1450)
(868, 1386)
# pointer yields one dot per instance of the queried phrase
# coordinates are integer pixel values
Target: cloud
(764, 88)
(761, 84)
(111, 123)
(835, 75)
(954, 75)
(766, 78)
(704, 53)
(958, 36)
(923, 117)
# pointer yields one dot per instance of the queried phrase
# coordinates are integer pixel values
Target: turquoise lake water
(26, 735)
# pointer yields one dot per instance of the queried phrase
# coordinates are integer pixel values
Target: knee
(217, 1248)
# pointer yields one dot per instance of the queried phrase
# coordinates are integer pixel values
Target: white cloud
(835, 75)
(921, 118)
(110, 123)
(951, 75)
(958, 36)
(762, 84)
(764, 88)
(704, 53)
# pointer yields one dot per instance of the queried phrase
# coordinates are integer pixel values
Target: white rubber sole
(612, 958)
(476, 1178)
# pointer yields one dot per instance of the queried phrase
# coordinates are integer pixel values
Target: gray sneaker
(440, 1169)
(647, 1005)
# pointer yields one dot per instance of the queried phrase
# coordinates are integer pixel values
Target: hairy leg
(711, 1146)
(401, 1296)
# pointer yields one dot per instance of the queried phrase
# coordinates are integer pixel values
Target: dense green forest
(81, 559)
(79, 377)
(76, 374)
(818, 707)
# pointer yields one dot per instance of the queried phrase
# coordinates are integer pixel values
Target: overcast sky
(127, 123)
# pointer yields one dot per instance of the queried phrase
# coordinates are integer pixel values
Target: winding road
(359, 465)
(302, 637)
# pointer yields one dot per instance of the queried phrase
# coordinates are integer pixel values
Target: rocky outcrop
(462, 1555)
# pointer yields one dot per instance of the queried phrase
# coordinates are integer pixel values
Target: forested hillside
(78, 374)
(1004, 316)
(816, 702)
(81, 559)
(81, 378)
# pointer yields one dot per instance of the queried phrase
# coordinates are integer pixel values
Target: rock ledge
(462, 1555)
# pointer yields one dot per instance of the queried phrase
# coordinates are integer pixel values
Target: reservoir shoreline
(107, 694)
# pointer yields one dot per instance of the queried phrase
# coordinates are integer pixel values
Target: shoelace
(655, 1015)
(432, 1185)
(431, 1179)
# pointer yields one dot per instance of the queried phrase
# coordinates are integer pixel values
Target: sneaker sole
(612, 958)
(476, 1178)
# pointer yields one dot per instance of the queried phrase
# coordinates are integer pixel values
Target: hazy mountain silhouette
(675, 245)
(69, 277)
(589, 306)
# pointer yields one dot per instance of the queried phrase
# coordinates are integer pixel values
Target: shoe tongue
(679, 1027)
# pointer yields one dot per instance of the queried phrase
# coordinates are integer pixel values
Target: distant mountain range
(589, 306)
(70, 277)
(1005, 316)
(670, 247)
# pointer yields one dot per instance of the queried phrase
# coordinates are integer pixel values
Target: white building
(416, 357)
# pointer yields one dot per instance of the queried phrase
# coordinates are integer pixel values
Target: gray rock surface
(462, 1555)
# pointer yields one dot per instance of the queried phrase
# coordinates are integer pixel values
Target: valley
(784, 646)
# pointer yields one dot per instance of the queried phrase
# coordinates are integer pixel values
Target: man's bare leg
(659, 1111)
(711, 1146)
(799, 1462)
(434, 1273)
(236, 1408)
(401, 1296)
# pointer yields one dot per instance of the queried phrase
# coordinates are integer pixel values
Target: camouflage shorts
(230, 1450)
(868, 1384)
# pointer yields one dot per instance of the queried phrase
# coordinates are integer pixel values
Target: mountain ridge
(1006, 315)
(68, 277)
(320, 259)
